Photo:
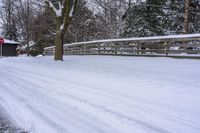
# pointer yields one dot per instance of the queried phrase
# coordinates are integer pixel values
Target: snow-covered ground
(102, 94)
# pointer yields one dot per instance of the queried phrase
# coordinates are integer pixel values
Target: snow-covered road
(102, 94)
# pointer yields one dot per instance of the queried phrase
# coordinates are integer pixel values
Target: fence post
(82, 50)
(86, 49)
(99, 52)
(51, 51)
(166, 48)
(138, 48)
(116, 49)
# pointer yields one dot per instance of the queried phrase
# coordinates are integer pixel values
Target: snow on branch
(72, 10)
(62, 27)
(58, 10)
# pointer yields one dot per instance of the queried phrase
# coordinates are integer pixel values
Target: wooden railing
(143, 46)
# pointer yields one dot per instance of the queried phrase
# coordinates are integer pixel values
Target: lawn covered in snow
(102, 94)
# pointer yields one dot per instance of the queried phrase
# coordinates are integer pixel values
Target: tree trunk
(58, 47)
(186, 17)
(62, 23)
(58, 55)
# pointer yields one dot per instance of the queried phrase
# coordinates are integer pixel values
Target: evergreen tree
(194, 16)
(146, 19)
(160, 17)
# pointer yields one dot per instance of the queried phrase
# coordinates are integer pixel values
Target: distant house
(9, 48)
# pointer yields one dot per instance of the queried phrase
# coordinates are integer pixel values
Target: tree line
(37, 24)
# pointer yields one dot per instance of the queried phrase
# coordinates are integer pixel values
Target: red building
(9, 48)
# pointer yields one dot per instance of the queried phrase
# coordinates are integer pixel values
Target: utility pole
(186, 17)
(27, 24)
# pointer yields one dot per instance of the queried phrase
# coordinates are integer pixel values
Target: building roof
(6, 41)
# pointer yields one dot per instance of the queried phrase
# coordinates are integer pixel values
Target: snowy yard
(102, 94)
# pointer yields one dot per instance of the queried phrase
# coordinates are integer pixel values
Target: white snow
(102, 94)
(10, 42)
(72, 10)
(169, 38)
(58, 11)
(62, 27)
(143, 39)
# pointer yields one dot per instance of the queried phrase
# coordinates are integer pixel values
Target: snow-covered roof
(10, 42)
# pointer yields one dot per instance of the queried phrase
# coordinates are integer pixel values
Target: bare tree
(25, 15)
(7, 17)
(113, 11)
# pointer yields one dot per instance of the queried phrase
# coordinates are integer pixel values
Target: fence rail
(157, 46)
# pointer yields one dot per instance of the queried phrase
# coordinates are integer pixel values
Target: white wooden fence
(142, 46)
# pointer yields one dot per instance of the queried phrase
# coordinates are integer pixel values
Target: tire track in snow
(37, 112)
(120, 99)
(109, 111)
(93, 107)
(29, 105)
